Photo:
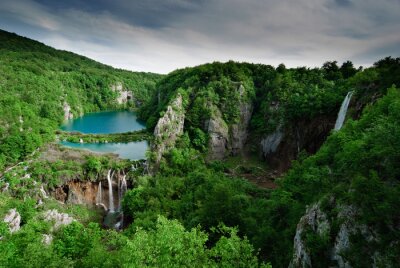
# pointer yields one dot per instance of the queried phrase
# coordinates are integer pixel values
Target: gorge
(220, 165)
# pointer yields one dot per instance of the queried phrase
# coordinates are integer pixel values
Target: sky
(163, 35)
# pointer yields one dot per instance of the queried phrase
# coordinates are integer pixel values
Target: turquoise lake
(106, 123)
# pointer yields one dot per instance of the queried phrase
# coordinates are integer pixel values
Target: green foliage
(170, 245)
(191, 213)
(75, 241)
(37, 80)
(211, 89)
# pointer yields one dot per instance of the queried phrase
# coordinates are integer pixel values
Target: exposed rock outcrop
(124, 94)
(67, 111)
(169, 128)
(13, 220)
(86, 193)
(283, 145)
(239, 131)
(47, 239)
(59, 219)
(224, 139)
(218, 132)
(316, 221)
(271, 142)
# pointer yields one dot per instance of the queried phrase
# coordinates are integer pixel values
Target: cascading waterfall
(343, 111)
(114, 218)
(110, 191)
(122, 188)
(99, 195)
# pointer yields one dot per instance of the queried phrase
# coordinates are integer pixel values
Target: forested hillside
(245, 168)
(38, 84)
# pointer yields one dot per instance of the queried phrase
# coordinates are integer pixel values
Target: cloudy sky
(162, 35)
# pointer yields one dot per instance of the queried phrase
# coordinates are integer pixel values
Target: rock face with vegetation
(169, 128)
(68, 115)
(218, 132)
(284, 144)
(315, 242)
(240, 131)
(58, 219)
(124, 95)
(13, 220)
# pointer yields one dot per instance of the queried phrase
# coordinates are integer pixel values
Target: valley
(219, 165)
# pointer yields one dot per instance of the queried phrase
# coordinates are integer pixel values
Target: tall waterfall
(343, 110)
(122, 188)
(99, 196)
(110, 191)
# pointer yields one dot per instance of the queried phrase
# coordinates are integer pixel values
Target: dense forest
(37, 81)
(247, 172)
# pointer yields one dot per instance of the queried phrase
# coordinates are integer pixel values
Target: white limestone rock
(59, 219)
(13, 219)
(169, 128)
(67, 111)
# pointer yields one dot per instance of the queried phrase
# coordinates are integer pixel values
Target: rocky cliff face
(316, 221)
(224, 139)
(67, 111)
(218, 132)
(168, 129)
(87, 193)
(239, 132)
(282, 146)
(123, 94)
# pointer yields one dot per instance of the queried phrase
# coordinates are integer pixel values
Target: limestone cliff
(87, 193)
(224, 139)
(218, 132)
(124, 95)
(168, 129)
(239, 132)
(67, 111)
(283, 145)
(338, 230)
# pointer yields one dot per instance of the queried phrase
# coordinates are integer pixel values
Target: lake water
(105, 123)
(130, 150)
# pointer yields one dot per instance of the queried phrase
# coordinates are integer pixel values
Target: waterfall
(110, 191)
(122, 187)
(342, 112)
(99, 196)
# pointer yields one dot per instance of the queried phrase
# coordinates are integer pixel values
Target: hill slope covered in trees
(37, 82)
(216, 125)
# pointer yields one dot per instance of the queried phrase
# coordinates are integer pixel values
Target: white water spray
(110, 191)
(121, 191)
(343, 110)
(99, 196)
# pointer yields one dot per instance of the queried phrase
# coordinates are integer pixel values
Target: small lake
(106, 123)
(131, 150)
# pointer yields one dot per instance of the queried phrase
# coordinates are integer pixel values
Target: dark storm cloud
(343, 3)
(161, 35)
(146, 13)
(374, 54)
